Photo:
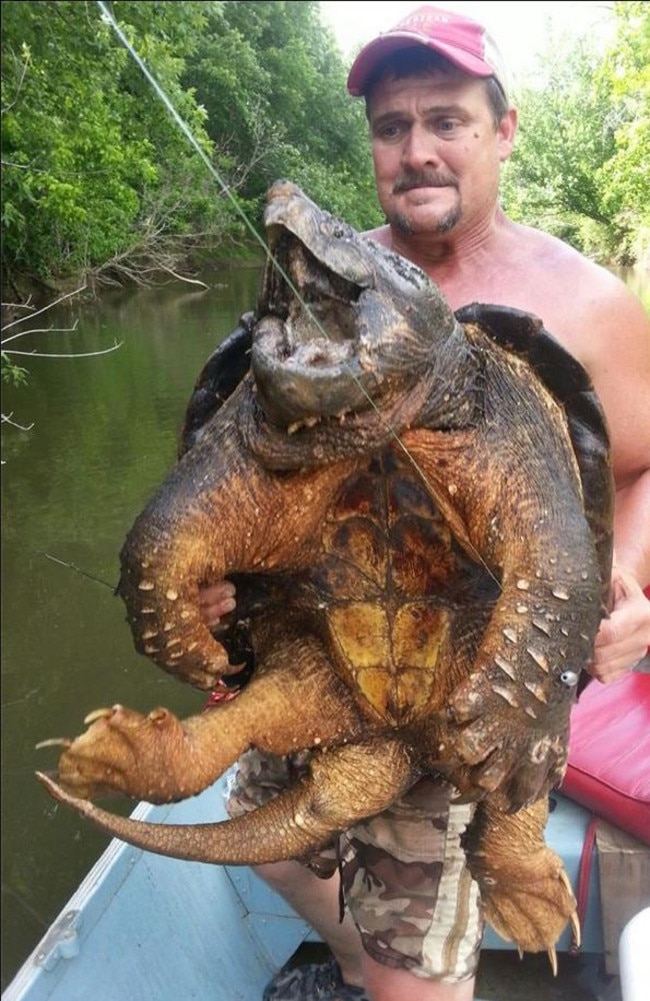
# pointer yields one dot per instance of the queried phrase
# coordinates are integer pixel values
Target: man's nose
(420, 148)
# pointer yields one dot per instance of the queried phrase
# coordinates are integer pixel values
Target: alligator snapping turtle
(418, 508)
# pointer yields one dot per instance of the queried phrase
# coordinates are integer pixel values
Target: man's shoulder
(548, 249)
(578, 300)
(560, 263)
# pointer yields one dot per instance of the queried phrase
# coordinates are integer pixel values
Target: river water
(103, 435)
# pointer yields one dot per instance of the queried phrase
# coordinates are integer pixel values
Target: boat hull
(145, 926)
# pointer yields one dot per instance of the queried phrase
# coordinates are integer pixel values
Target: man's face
(436, 151)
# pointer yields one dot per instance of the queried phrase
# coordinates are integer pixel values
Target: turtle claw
(574, 920)
(99, 714)
(532, 917)
(527, 896)
(53, 742)
(576, 930)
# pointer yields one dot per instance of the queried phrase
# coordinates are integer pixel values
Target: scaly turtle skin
(417, 509)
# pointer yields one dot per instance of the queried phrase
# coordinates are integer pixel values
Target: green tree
(98, 178)
(580, 168)
(272, 81)
(565, 135)
(94, 170)
(625, 179)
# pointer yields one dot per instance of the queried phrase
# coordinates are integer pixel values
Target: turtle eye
(569, 678)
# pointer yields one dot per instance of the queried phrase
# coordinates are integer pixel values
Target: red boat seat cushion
(609, 753)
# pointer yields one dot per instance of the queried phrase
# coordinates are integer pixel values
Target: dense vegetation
(98, 179)
(100, 183)
(581, 167)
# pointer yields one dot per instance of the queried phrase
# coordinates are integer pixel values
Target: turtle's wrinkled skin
(417, 508)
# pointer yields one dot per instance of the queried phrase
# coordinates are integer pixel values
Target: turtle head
(341, 320)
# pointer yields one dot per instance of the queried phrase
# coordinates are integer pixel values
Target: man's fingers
(216, 600)
(624, 637)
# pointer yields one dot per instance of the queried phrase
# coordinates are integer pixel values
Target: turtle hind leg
(344, 785)
(525, 892)
(296, 703)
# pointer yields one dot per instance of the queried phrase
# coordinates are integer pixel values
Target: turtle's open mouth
(313, 300)
(342, 322)
(310, 356)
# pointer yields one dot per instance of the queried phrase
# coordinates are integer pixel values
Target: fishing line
(79, 570)
(109, 19)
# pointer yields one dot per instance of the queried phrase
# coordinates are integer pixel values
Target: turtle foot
(527, 900)
(124, 751)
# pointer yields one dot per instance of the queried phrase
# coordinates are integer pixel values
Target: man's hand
(215, 601)
(623, 639)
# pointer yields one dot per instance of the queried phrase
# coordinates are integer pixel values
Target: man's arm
(624, 638)
(618, 359)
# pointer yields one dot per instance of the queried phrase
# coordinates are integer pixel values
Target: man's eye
(388, 132)
(446, 125)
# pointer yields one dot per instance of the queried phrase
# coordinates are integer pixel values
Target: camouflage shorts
(403, 872)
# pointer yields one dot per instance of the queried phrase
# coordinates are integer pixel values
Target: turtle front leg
(509, 718)
(508, 715)
(525, 892)
(162, 759)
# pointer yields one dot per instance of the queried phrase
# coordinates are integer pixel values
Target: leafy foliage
(581, 166)
(14, 375)
(273, 85)
(88, 155)
(625, 178)
(97, 175)
(99, 180)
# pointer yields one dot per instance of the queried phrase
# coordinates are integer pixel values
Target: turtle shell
(525, 335)
(218, 379)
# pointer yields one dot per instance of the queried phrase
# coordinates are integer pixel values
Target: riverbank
(27, 291)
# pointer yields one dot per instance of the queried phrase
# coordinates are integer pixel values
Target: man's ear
(506, 133)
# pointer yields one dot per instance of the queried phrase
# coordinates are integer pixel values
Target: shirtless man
(440, 129)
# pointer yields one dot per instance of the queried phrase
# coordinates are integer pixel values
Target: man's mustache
(410, 179)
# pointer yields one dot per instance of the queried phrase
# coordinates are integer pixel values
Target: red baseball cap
(464, 42)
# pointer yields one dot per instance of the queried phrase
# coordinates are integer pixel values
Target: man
(440, 127)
